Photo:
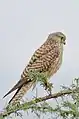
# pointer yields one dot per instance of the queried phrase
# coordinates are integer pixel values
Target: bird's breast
(54, 67)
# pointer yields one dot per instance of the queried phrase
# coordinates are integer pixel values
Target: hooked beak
(64, 42)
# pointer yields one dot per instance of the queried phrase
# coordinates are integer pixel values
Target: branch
(29, 104)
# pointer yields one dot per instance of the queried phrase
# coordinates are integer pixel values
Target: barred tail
(20, 93)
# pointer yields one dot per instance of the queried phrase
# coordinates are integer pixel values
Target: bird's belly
(54, 67)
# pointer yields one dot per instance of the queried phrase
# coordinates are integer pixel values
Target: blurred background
(24, 26)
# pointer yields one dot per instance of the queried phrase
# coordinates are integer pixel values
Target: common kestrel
(46, 59)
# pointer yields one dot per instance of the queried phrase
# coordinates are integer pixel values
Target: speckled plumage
(46, 59)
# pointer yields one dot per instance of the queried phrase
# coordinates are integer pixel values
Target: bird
(46, 59)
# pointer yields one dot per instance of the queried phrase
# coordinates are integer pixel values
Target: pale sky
(24, 26)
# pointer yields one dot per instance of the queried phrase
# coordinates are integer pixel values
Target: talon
(46, 85)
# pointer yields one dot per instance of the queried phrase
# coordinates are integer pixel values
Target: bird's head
(58, 36)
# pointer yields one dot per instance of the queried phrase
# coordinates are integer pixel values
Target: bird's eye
(62, 38)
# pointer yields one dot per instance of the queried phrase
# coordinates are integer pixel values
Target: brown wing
(43, 63)
(41, 56)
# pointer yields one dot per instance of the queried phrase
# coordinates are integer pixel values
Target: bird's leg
(48, 87)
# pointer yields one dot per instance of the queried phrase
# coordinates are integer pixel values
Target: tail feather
(14, 96)
(20, 93)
